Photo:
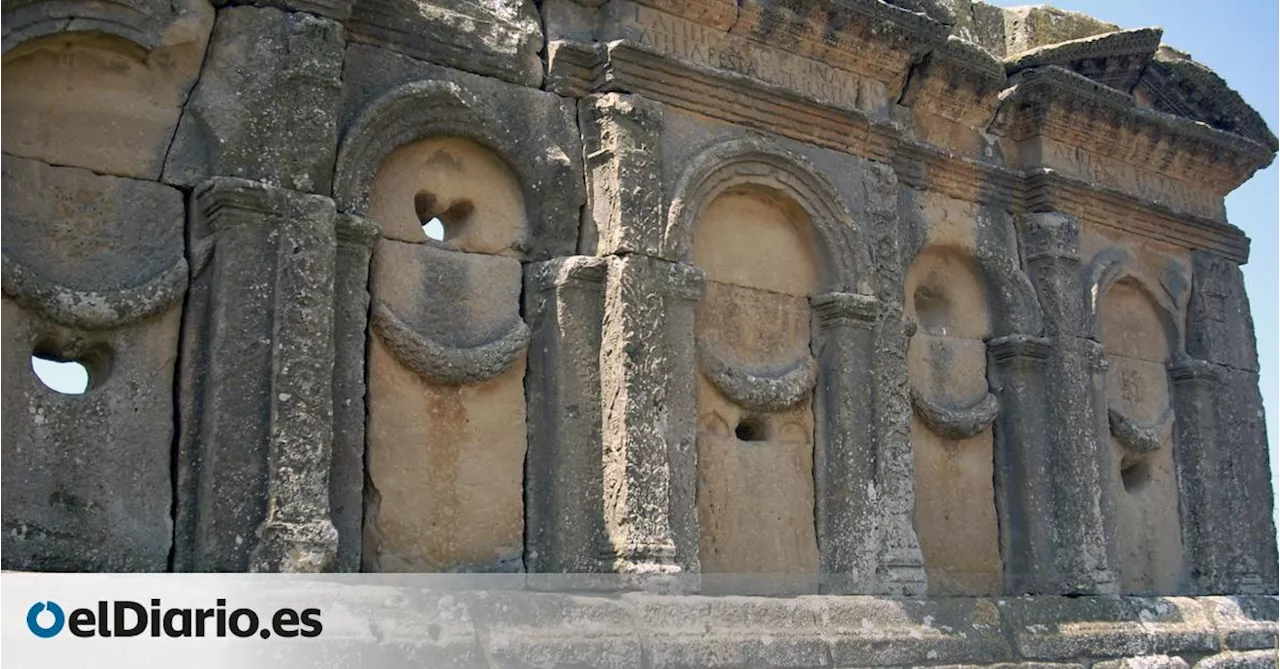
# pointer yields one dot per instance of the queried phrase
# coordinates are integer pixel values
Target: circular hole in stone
(69, 377)
(70, 367)
(1135, 475)
(750, 428)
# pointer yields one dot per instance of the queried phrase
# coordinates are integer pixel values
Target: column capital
(846, 309)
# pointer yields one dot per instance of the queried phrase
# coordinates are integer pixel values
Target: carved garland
(1140, 438)
(449, 365)
(93, 309)
(955, 422)
(760, 392)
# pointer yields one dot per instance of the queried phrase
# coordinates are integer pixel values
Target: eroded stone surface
(94, 273)
(105, 102)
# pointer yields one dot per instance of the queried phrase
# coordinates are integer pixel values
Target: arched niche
(1139, 340)
(756, 429)
(109, 99)
(535, 144)
(446, 360)
(949, 299)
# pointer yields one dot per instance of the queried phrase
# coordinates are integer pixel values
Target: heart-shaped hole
(442, 223)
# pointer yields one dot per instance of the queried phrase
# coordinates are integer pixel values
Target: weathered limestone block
(1257, 659)
(564, 469)
(391, 101)
(1031, 26)
(1244, 622)
(1144, 662)
(93, 273)
(648, 398)
(1062, 628)
(496, 38)
(100, 85)
(446, 431)
(625, 208)
(355, 240)
(265, 105)
(256, 385)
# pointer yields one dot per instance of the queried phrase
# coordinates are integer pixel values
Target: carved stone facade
(853, 297)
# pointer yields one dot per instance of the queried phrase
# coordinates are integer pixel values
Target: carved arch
(1015, 308)
(432, 109)
(1113, 265)
(146, 24)
(842, 247)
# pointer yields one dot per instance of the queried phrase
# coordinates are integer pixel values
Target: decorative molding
(955, 422)
(93, 309)
(774, 391)
(1020, 349)
(1176, 84)
(835, 310)
(1050, 102)
(448, 365)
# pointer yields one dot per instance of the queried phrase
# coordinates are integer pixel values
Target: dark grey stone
(265, 107)
(93, 272)
(256, 382)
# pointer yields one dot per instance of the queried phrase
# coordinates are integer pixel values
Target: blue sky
(1239, 40)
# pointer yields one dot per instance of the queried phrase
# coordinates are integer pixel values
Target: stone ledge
(459, 626)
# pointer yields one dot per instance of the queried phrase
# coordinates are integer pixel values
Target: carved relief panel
(756, 425)
(1137, 322)
(446, 361)
(951, 425)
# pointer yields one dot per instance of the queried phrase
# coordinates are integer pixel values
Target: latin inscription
(678, 38)
(1131, 179)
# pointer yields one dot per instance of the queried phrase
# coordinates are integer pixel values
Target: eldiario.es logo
(124, 618)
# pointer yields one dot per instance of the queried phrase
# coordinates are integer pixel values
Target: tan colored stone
(100, 102)
(1148, 532)
(470, 189)
(447, 465)
(947, 360)
(755, 501)
(750, 238)
(755, 466)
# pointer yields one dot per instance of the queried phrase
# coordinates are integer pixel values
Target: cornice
(1115, 59)
(1054, 103)
(1176, 159)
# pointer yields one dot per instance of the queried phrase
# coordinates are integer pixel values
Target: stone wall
(889, 299)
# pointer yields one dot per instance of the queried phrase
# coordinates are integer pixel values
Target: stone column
(1056, 507)
(356, 237)
(257, 382)
(1196, 386)
(846, 486)
(564, 484)
(1220, 333)
(647, 381)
